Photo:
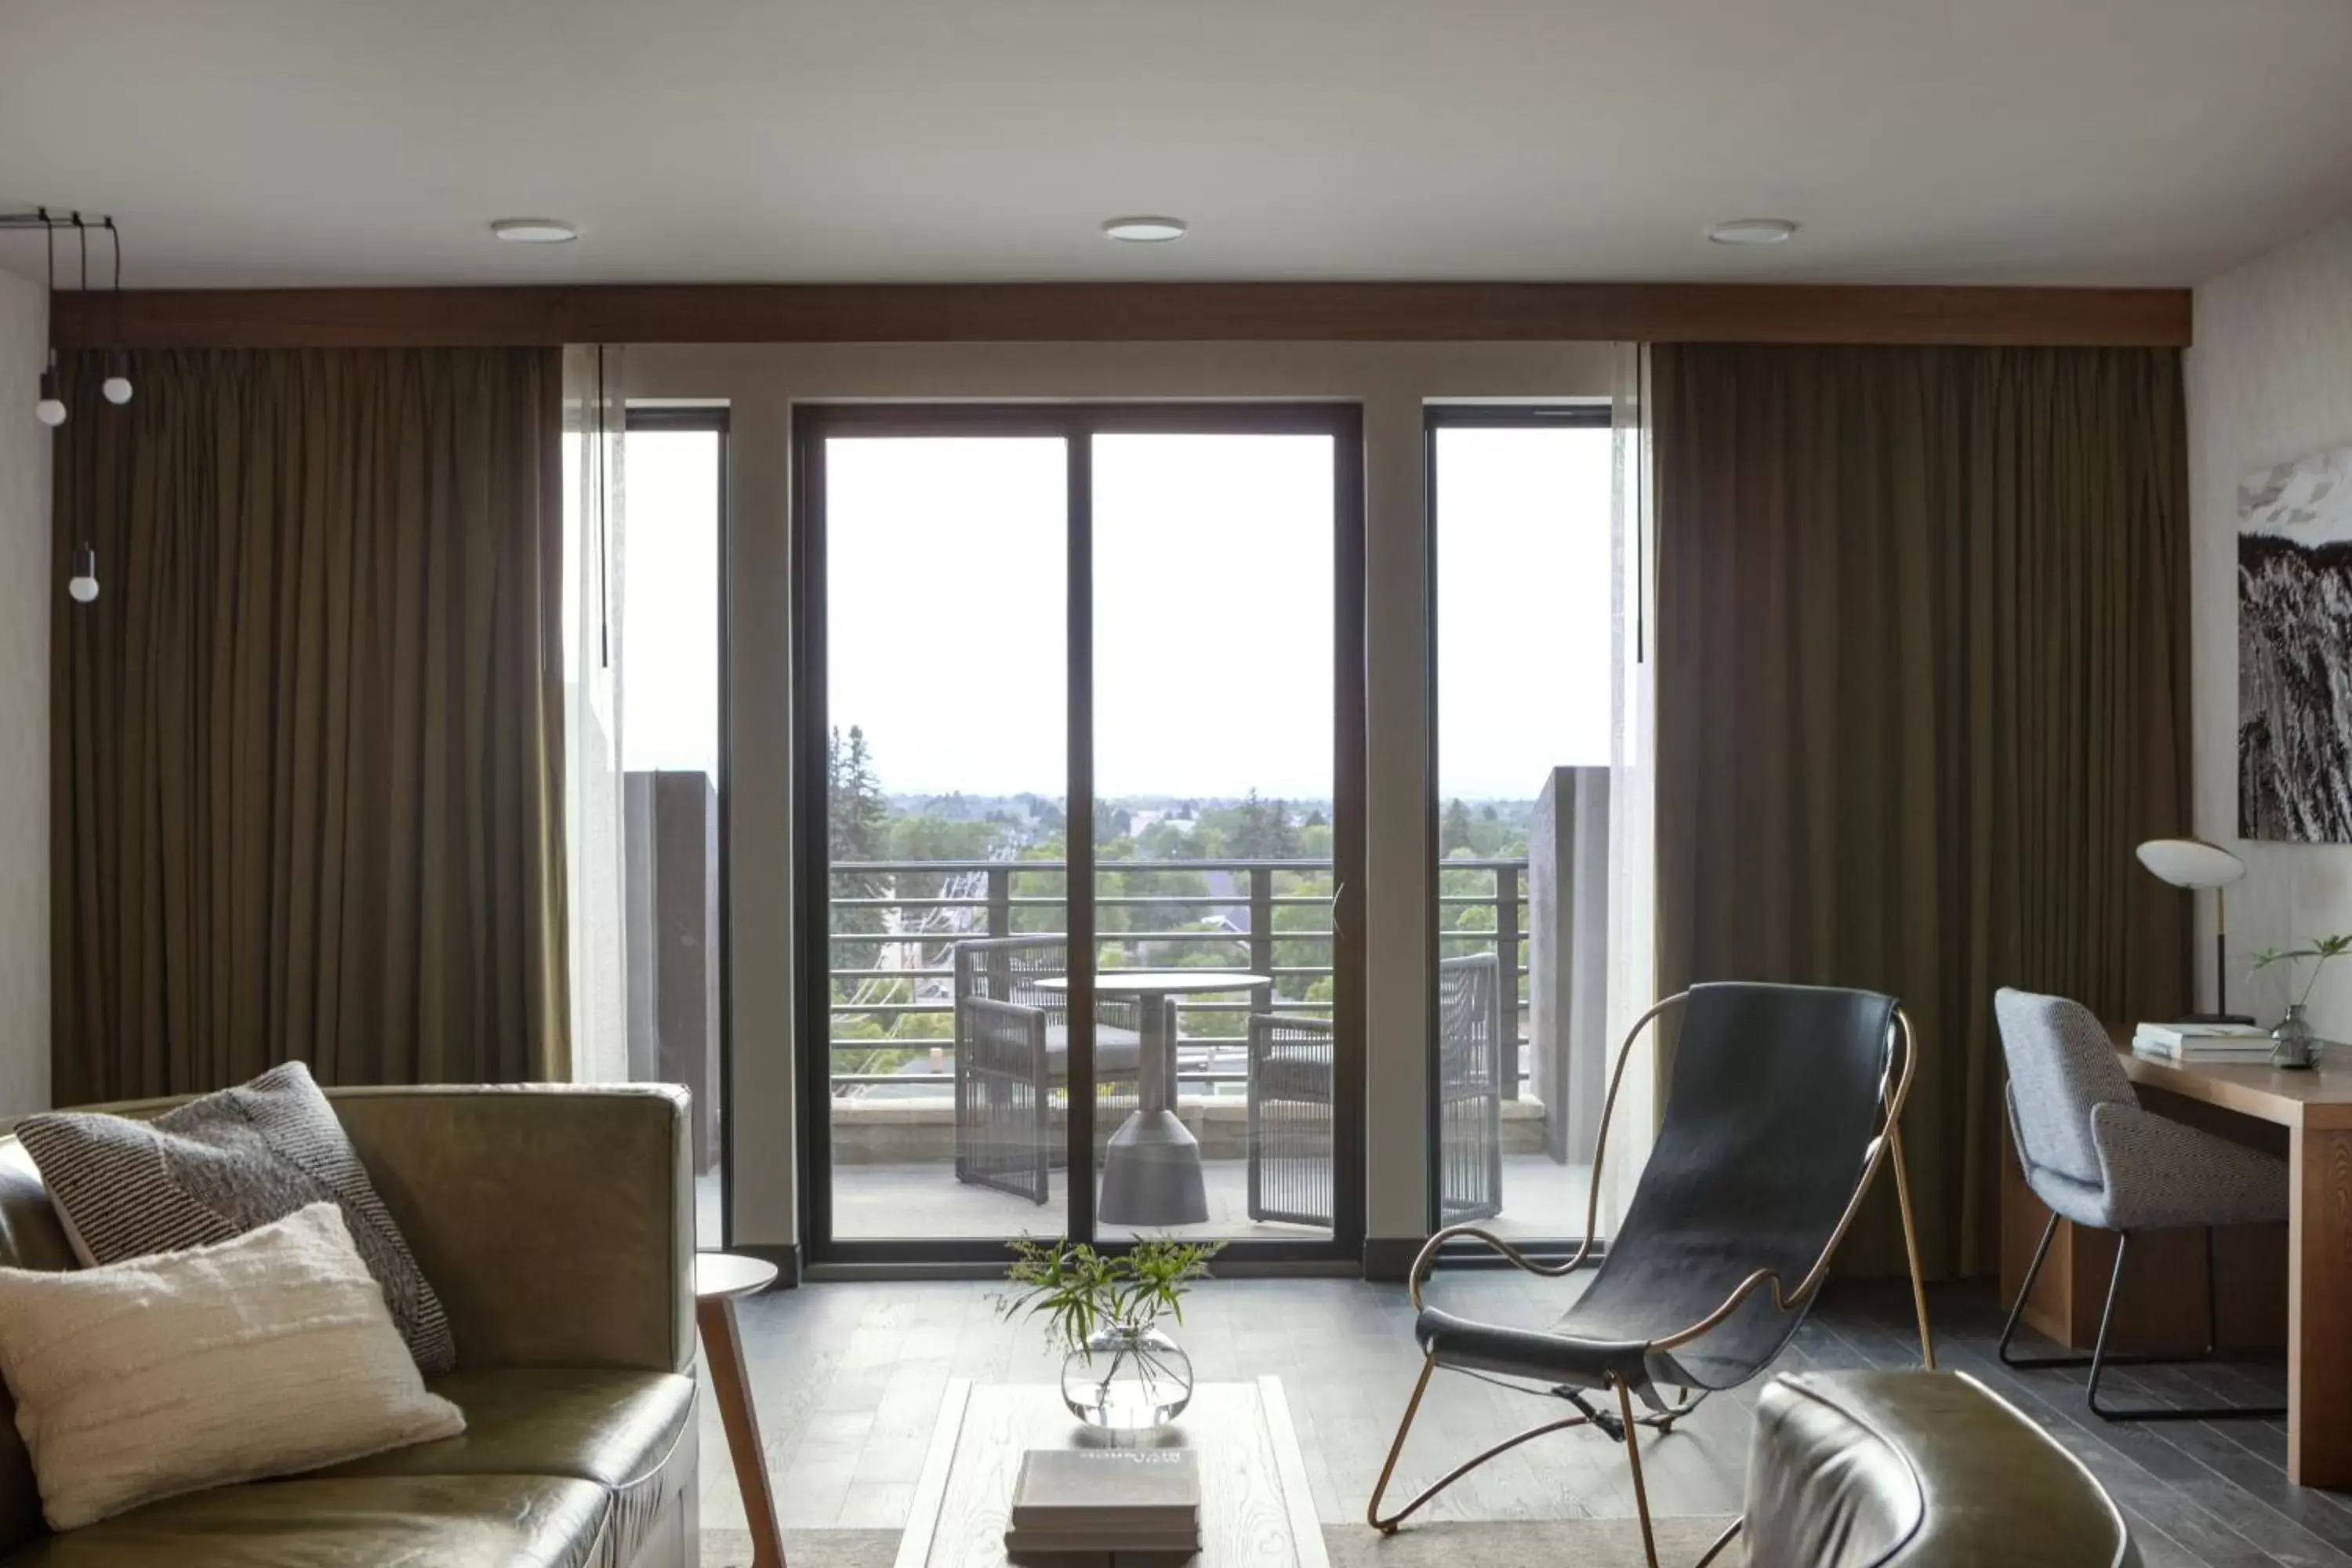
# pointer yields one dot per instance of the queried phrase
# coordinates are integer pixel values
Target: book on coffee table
(1091, 1502)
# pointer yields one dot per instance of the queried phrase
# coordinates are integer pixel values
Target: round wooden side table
(721, 1279)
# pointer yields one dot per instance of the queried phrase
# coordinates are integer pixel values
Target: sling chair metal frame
(1623, 1423)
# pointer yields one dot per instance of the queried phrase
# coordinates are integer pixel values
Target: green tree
(1262, 830)
(857, 813)
(1112, 822)
(857, 817)
(1454, 835)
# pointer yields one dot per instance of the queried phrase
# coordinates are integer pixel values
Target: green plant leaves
(2319, 950)
(1077, 1290)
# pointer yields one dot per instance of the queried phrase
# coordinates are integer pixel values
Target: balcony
(893, 1037)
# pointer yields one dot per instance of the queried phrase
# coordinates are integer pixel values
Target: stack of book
(2203, 1042)
(1092, 1506)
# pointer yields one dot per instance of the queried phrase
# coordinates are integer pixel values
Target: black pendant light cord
(49, 235)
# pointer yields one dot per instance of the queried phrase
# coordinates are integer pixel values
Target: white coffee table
(1255, 1507)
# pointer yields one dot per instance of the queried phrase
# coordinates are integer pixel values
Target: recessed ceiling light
(1145, 230)
(534, 231)
(1753, 231)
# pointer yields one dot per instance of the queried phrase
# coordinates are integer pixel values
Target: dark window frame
(811, 424)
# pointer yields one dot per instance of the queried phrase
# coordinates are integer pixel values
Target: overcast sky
(946, 563)
(669, 577)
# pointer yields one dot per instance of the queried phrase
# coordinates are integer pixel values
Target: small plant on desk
(2291, 1042)
(2321, 949)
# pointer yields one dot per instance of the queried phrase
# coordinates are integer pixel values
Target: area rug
(1517, 1544)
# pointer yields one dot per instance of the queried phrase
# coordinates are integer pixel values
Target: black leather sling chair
(1785, 1101)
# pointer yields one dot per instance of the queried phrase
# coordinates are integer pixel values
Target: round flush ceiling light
(1753, 231)
(1144, 230)
(534, 231)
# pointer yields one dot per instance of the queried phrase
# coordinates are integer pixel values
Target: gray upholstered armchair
(2093, 1155)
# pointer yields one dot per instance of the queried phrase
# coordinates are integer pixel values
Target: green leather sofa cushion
(1917, 1470)
(618, 1429)
(593, 1424)
(517, 1521)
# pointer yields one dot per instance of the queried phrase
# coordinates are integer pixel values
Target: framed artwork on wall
(2294, 651)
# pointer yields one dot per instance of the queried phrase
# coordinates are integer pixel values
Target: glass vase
(1128, 1378)
(2291, 1043)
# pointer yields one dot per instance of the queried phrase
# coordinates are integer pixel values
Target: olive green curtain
(307, 786)
(1922, 688)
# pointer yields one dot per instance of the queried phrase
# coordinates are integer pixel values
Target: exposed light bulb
(51, 409)
(83, 585)
(117, 385)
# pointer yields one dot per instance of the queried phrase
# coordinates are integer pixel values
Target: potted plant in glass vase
(1120, 1370)
(2292, 1045)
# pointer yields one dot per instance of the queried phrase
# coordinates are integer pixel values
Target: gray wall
(2268, 380)
(27, 593)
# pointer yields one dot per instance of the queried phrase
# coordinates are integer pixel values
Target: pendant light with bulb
(50, 408)
(117, 385)
(50, 403)
(82, 586)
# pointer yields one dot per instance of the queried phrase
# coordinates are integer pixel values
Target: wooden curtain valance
(1121, 312)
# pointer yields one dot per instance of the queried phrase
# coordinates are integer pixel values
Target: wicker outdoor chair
(1290, 1097)
(1471, 1041)
(1290, 1094)
(1011, 1060)
(1785, 1101)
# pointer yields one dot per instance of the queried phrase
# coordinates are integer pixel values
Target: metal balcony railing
(873, 920)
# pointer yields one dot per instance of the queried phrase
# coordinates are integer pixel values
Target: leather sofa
(557, 1225)
(1917, 1470)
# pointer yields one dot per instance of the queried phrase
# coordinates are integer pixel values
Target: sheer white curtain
(595, 414)
(1633, 912)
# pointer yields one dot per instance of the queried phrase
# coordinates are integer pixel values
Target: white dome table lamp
(2196, 864)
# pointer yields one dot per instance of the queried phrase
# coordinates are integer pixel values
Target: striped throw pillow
(219, 1166)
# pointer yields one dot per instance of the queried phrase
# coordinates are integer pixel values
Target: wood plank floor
(849, 1379)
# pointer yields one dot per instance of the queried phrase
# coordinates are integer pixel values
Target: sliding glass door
(1521, 541)
(1080, 712)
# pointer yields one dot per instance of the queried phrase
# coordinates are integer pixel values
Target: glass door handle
(1336, 889)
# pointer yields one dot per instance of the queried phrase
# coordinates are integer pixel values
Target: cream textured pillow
(263, 1355)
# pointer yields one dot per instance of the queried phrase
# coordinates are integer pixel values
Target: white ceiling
(290, 142)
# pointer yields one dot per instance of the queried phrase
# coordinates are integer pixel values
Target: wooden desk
(2315, 1109)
